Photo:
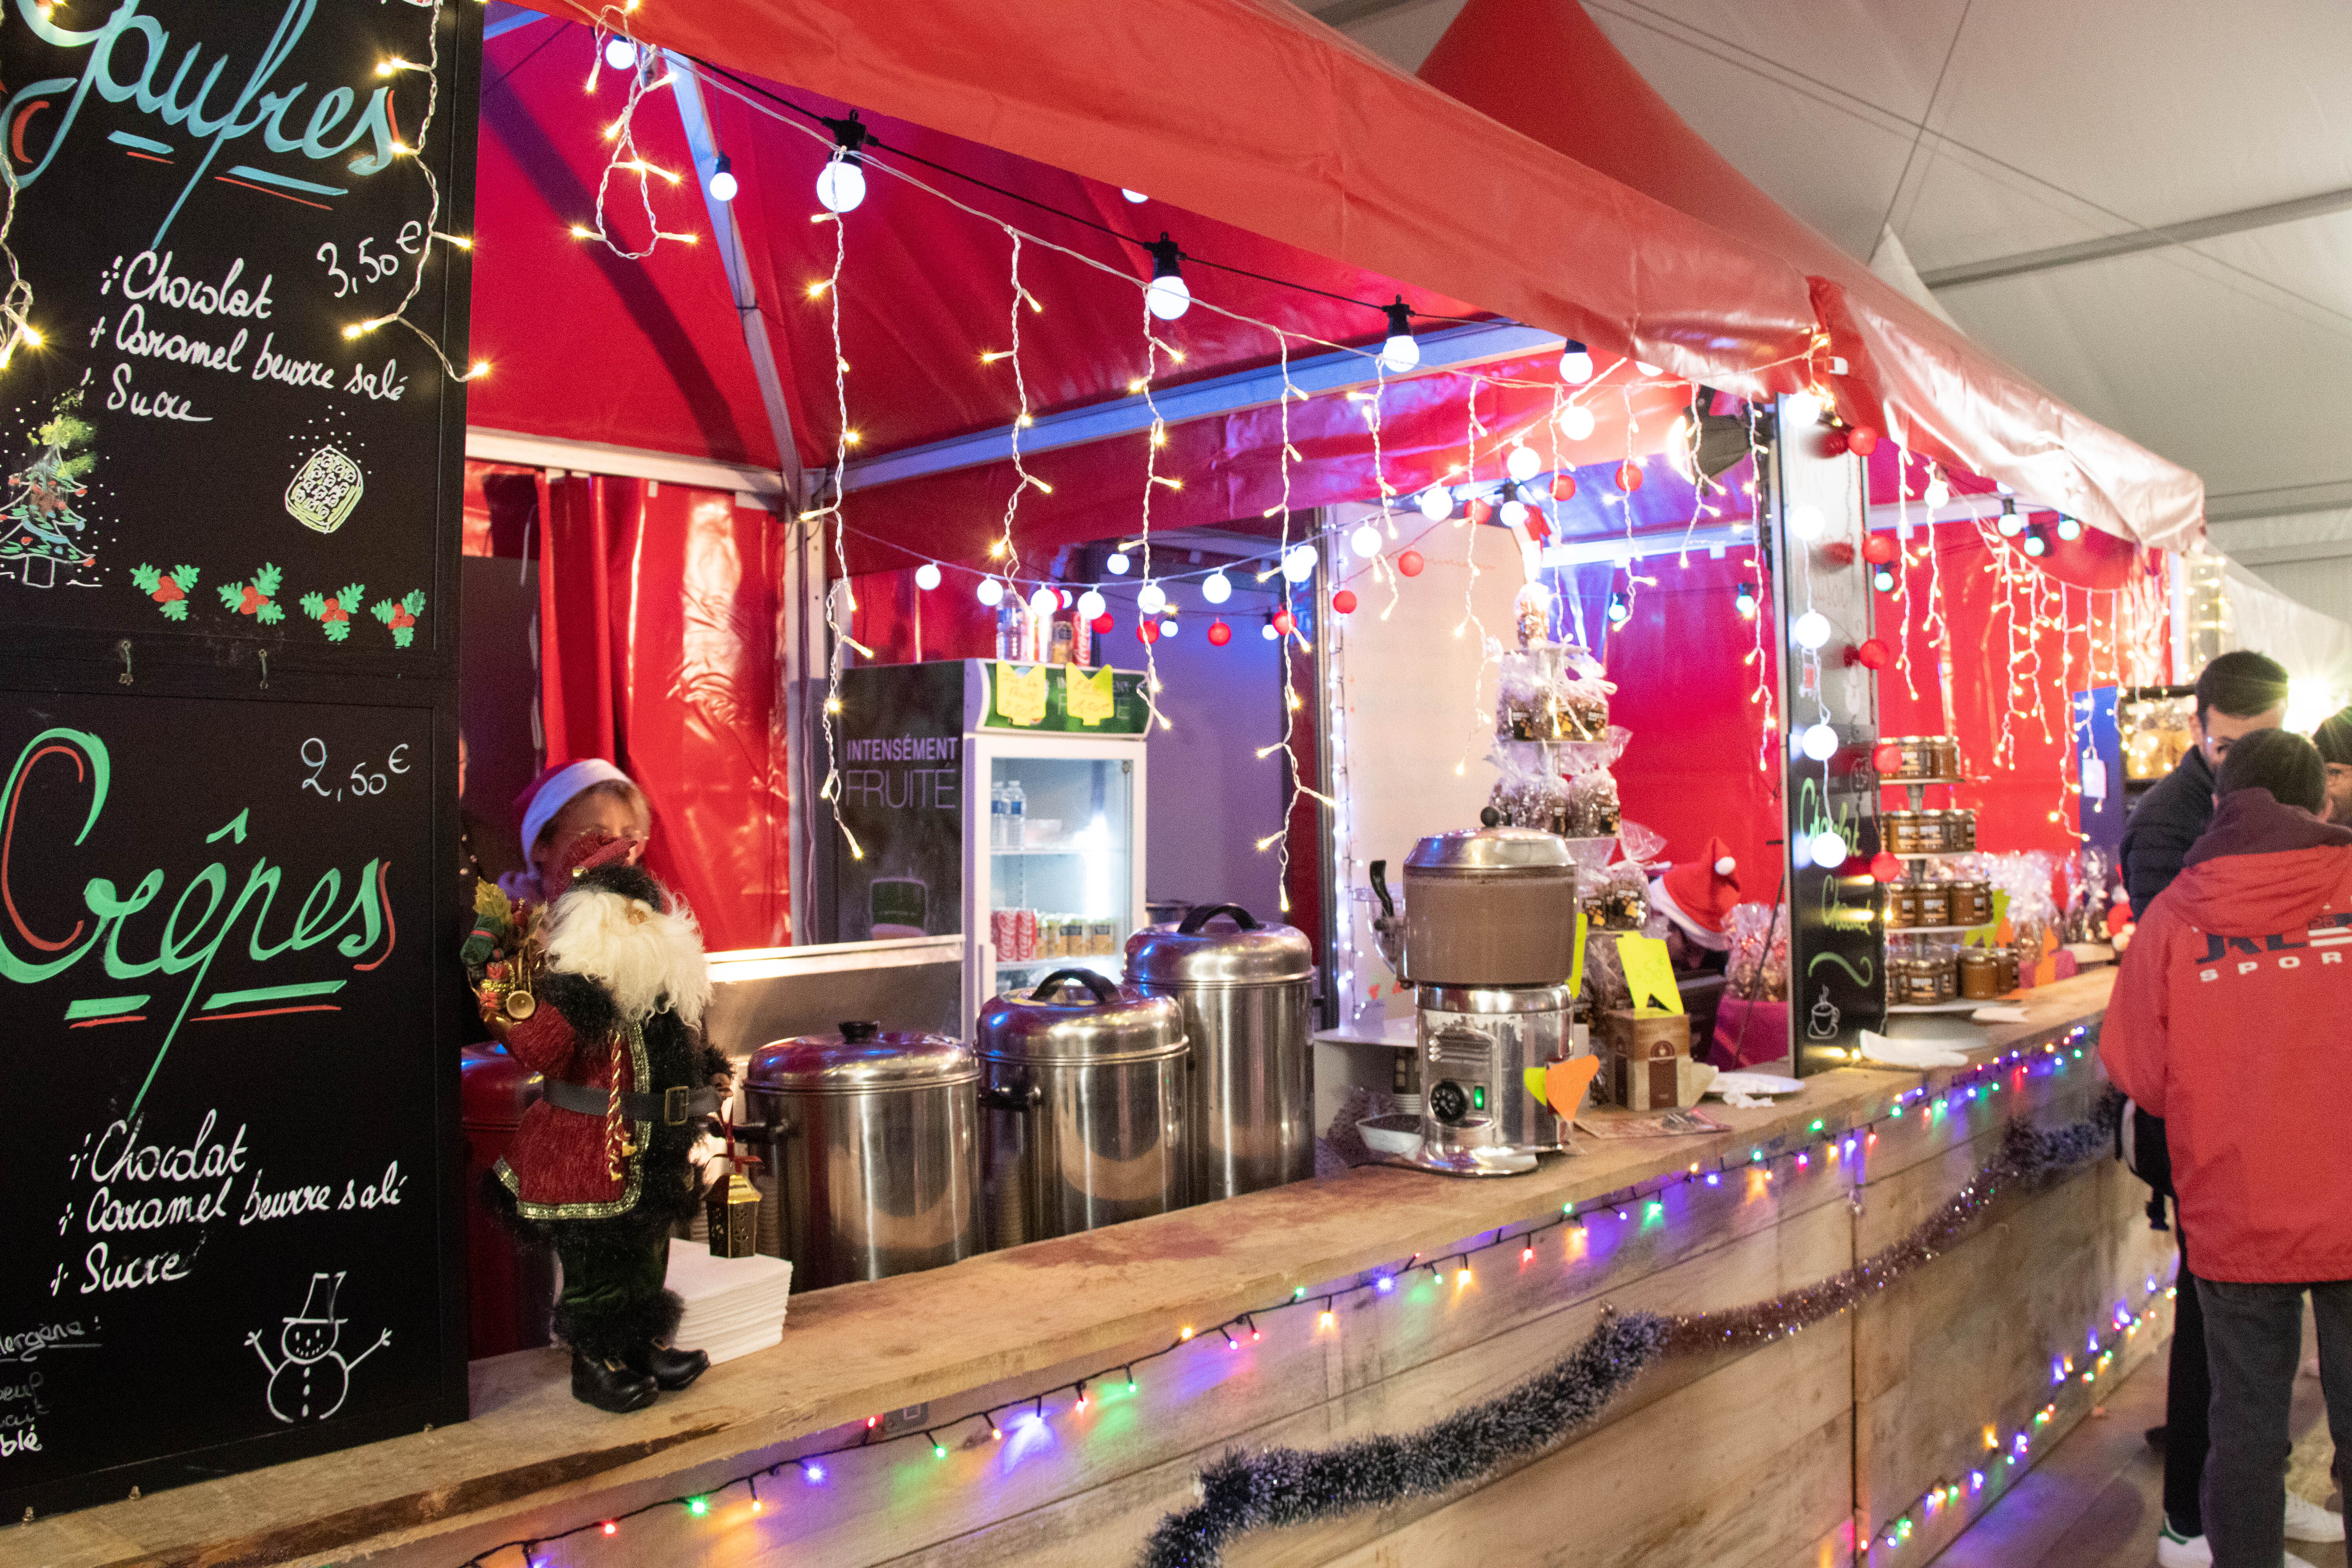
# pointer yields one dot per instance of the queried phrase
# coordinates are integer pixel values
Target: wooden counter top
(1062, 1307)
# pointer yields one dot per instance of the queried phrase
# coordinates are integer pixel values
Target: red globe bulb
(1863, 440)
(1563, 487)
(1344, 601)
(1888, 758)
(1835, 441)
(1629, 476)
(1874, 655)
(1220, 634)
(1886, 867)
(1481, 513)
(1103, 624)
(1410, 563)
(1879, 550)
(1284, 622)
(1147, 631)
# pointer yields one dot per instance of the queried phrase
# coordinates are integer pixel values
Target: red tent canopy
(1544, 68)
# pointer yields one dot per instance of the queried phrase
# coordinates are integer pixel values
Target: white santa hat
(558, 787)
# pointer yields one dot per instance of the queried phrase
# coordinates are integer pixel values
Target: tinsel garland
(1243, 1491)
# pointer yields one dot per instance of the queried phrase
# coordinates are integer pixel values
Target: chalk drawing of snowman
(310, 1383)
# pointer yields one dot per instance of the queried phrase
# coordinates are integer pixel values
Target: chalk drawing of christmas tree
(37, 520)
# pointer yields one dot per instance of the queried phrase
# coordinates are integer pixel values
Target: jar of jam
(2007, 958)
(1961, 831)
(1979, 974)
(1971, 903)
(1948, 978)
(1945, 750)
(1900, 832)
(1933, 904)
(1902, 905)
(1920, 988)
(1919, 756)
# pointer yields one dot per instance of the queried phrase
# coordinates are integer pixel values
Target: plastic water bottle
(1000, 811)
(1016, 813)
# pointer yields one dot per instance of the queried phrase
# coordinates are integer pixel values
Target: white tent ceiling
(2146, 205)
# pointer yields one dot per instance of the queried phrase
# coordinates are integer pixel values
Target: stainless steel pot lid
(1078, 1016)
(1235, 950)
(1491, 849)
(862, 1058)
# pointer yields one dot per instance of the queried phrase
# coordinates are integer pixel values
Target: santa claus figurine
(1696, 899)
(600, 989)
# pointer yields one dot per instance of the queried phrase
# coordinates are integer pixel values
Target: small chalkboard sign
(228, 911)
(223, 431)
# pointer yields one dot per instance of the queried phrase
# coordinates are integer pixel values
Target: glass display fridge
(1000, 802)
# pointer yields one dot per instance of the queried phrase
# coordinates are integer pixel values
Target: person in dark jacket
(2229, 1008)
(2238, 694)
(2334, 738)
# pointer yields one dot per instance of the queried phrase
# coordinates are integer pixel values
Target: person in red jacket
(2231, 1012)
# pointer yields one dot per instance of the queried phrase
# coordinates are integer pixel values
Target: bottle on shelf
(999, 807)
(1016, 808)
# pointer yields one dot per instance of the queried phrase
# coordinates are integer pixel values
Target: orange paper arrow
(1565, 1082)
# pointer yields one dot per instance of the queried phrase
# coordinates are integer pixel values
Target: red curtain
(657, 609)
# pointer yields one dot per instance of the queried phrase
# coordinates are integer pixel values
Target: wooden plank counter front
(1777, 1456)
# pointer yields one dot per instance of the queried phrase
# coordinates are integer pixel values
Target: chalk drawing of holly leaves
(170, 590)
(256, 597)
(334, 610)
(400, 615)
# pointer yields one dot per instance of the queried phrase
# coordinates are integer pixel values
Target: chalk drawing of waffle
(324, 491)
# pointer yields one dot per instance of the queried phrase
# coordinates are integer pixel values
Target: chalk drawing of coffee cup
(324, 491)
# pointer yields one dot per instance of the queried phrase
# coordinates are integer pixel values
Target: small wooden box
(1645, 1058)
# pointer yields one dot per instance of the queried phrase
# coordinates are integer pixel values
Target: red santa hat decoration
(557, 787)
(1699, 896)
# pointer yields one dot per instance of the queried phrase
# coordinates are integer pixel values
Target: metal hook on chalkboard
(265, 667)
(123, 648)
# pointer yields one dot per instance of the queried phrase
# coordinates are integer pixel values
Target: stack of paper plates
(733, 1305)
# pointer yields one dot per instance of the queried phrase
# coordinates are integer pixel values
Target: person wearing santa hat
(566, 801)
(1698, 897)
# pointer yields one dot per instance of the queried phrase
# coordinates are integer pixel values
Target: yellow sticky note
(1576, 969)
(1091, 697)
(1649, 972)
(1021, 692)
(1982, 936)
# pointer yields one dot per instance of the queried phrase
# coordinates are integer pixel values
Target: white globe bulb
(1938, 493)
(1575, 421)
(1806, 522)
(1399, 353)
(1575, 367)
(1515, 513)
(620, 54)
(1168, 297)
(841, 186)
(1644, 367)
(1150, 599)
(2012, 525)
(1167, 628)
(1365, 541)
(1091, 605)
(1217, 588)
(1820, 742)
(1436, 503)
(927, 576)
(1829, 851)
(1299, 564)
(1267, 631)
(1115, 563)
(1044, 601)
(723, 185)
(991, 591)
(2070, 528)
(1523, 464)
(1136, 196)
(1811, 630)
(1802, 409)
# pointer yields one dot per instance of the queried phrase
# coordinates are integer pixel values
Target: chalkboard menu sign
(228, 907)
(214, 198)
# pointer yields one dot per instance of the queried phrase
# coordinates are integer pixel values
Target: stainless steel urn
(1494, 905)
(1244, 989)
(873, 1145)
(1082, 1096)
